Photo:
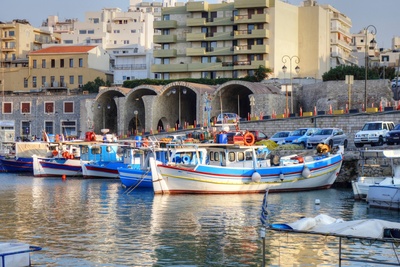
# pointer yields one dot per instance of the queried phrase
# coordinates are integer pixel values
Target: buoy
(64, 177)
(281, 177)
(317, 201)
(256, 177)
(306, 173)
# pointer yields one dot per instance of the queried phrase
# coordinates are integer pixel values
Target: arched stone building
(147, 108)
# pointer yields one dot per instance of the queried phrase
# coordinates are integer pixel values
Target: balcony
(220, 36)
(165, 53)
(217, 66)
(165, 24)
(160, 39)
(251, 4)
(159, 68)
(192, 37)
(250, 65)
(251, 34)
(196, 22)
(197, 6)
(255, 18)
(8, 49)
(251, 49)
(220, 51)
(130, 67)
(219, 21)
(192, 52)
(8, 38)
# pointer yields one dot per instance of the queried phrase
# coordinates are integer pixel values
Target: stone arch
(106, 110)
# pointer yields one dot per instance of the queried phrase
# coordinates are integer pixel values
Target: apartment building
(364, 45)
(17, 39)
(232, 39)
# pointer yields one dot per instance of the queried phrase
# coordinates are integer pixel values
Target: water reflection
(97, 223)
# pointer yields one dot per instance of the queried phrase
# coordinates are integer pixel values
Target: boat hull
(56, 167)
(106, 170)
(206, 179)
(135, 177)
(384, 196)
(17, 165)
(361, 186)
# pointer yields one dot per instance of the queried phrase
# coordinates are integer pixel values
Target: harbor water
(87, 222)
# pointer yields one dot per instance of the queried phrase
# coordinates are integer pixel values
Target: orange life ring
(249, 139)
(55, 153)
(201, 136)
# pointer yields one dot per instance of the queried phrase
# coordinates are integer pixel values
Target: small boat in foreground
(230, 168)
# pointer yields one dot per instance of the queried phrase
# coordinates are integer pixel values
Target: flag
(264, 212)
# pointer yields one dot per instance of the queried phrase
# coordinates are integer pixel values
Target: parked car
(300, 136)
(373, 133)
(393, 136)
(395, 83)
(259, 136)
(279, 137)
(328, 136)
(227, 117)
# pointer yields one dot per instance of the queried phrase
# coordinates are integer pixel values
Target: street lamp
(184, 91)
(207, 108)
(136, 120)
(99, 106)
(284, 68)
(373, 42)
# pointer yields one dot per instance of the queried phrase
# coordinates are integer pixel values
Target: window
(116, 31)
(7, 107)
(96, 20)
(165, 60)
(68, 128)
(68, 107)
(82, 31)
(71, 79)
(34, 81)
(165, 32)
(25, 128)
(43, 63)
(25, 83)
(126, 41)
(49, 107)
(34, 64)
(204, 59)
(90, 32)
(71, 62)
(166, 17)
(53, 63)
(80, 62)
(68, 42)
(62, 81)
(44, 81)
(62, 63)
(80, 79)
(49, 127)
(25, 107)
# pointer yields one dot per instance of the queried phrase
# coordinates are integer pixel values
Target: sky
(383, 14)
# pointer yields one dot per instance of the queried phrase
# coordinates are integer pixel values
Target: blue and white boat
(232, 168)
(138, 172)
(69, 163)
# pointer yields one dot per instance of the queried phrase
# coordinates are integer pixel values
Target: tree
(340, 72)
(93, 86)
(261, 73)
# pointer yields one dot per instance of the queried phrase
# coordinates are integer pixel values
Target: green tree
(93, 86)
(340, 72)
(261, 73)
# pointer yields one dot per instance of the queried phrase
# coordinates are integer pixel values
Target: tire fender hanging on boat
(306, 173)
(256, 177)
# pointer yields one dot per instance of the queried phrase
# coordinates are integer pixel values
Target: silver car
(279, 137)
(329, 136)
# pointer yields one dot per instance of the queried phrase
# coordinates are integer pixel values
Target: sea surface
(83, 222)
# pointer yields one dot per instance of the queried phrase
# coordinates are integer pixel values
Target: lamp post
(99, 106)
(366, 59)
(136, 120)
(207, 108)
(285, 58)
(184, 91)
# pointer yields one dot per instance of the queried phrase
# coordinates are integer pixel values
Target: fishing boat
(386, 194)
(138, 173)
(70, 162)
(366, 231)
(20, 160)
(232, 168)
(373, 159)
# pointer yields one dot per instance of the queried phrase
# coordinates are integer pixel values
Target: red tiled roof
(64, 49)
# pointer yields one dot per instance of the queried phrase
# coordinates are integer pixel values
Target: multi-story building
(233, 38)
(17, 39)
(364, 47)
